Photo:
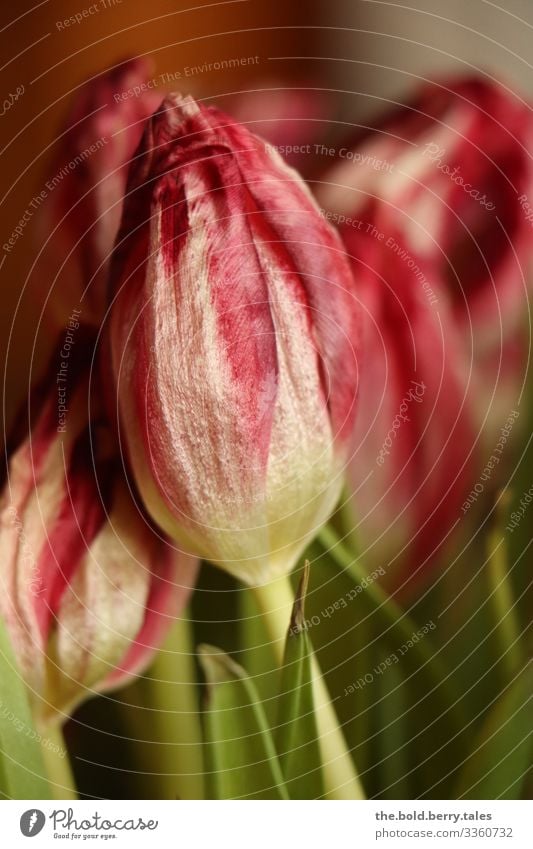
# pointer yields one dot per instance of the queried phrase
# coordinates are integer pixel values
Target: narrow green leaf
(500, 594)
(397, 625)
(296, 733)
(392, 735)
(240, 752)
(501, 754)
(519, 527)
(22, 771)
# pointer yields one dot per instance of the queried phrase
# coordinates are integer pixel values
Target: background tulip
(414, 461)
(293, 119)
(79, 220)
(234, 337)
(88, 588)
(455, 182)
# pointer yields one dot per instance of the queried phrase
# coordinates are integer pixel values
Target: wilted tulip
(87, 587)
(79, 219)
(234, 338)
(451, 172)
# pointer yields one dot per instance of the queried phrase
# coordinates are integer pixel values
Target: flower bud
(450, 171)
(87, 587)
(234, 339)
(80, 216)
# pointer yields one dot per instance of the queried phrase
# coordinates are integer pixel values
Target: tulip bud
(451, 172)
(234, 339)
(87, 587)
(79, 219)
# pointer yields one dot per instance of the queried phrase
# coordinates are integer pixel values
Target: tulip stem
(275, 601)
(57, 764)
(507, 628)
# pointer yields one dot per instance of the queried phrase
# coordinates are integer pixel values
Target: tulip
(292, 119)
(78, 222)
(88, 588)
(234, 344)
(451, 172)
(412, 470)
(428, 204)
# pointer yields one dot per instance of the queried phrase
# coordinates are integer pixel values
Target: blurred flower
(414, 462)
(234, 337)
(80, 216)
(87, 587)
(451, 172)
(291, 118)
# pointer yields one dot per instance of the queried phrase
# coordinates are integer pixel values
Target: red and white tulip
(416, 441)
(235, 343)
(88, 588)
(79, 219)
(456, 182)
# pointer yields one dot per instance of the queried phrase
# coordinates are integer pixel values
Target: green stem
(275, 601)
(507, 628)
(398, 622)
(57, 763)
(345, 519)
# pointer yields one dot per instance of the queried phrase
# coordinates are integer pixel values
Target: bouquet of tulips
(270, 496)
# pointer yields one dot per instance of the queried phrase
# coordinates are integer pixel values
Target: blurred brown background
(51, 60)
(381, 48)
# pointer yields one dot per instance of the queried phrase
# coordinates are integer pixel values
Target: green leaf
(296, 733)
(392, 736)
(501, 755)
(518, 480)
(22, 771)
(505, 625)
(355, 619)
(396, 623)
(240, 752)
